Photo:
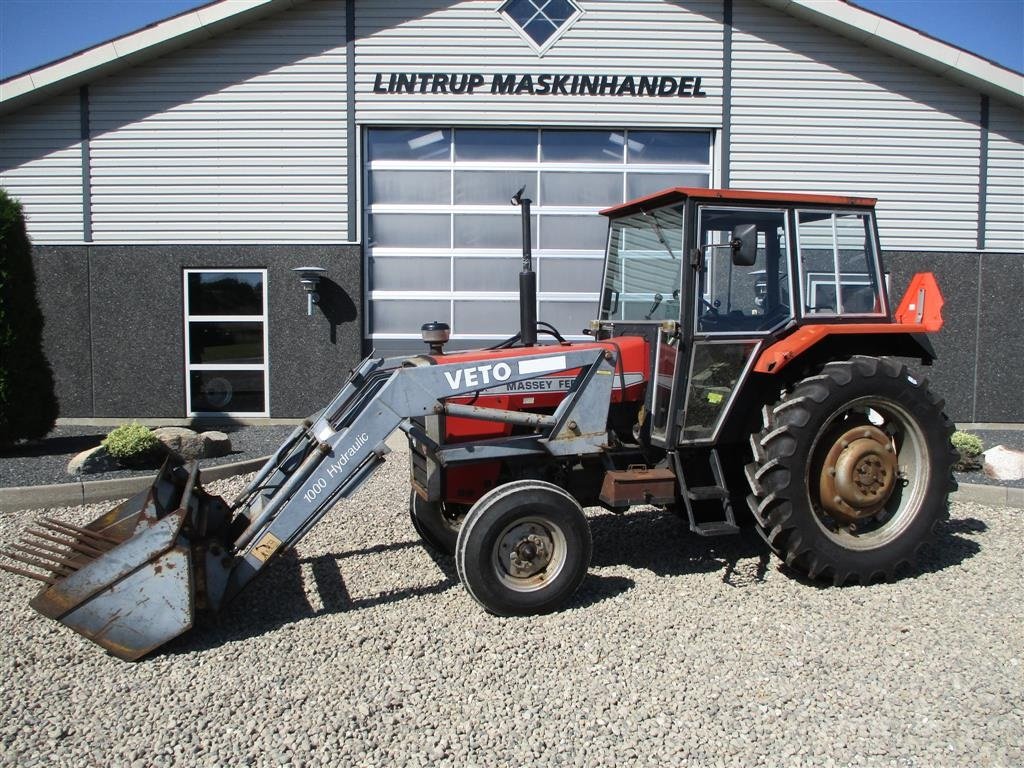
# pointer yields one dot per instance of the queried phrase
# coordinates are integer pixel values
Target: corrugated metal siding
(1004, 212)
(862, 123)
(240, 139)
(41, 165)
(640, 38)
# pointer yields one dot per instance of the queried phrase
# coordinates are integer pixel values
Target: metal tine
(49, 580)
(99, 537)
(47, 557)
(78, 546)
(73, 556)
(38, 564)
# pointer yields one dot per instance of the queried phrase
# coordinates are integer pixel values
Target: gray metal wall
(114, 330)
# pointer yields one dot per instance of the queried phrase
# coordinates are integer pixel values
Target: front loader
(740, 371)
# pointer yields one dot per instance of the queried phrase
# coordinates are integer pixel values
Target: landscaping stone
(1002, 463)
(92, 461)
(215, 444)
(185, 443)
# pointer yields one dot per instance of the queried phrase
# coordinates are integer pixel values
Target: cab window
(837, 258)
(742, 299)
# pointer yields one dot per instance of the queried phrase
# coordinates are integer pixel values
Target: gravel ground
(45, 462)
(361, 649)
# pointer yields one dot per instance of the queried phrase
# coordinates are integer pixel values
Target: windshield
(644, 270)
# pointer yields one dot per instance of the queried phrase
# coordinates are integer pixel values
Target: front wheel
(436, 522)
(523, 549)
(852, 470)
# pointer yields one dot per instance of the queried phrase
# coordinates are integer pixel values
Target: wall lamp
(310, 279)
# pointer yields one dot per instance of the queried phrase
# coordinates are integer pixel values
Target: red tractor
(741, 369)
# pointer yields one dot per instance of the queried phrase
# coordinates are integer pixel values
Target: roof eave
(132, 49)
(902, 42)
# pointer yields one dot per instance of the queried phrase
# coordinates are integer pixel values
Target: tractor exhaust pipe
(527, 278)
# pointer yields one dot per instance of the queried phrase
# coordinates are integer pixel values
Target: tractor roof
(678, 194)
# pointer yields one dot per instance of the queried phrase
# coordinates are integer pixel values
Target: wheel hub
(858, 475)
(525, 550)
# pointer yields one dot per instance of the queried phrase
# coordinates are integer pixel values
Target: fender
(919, 313)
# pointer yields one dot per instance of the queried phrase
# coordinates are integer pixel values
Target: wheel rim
(529, 554)
(868, 474)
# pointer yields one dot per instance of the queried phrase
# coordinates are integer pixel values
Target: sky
(35, 32)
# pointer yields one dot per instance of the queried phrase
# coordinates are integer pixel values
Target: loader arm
(333, 457)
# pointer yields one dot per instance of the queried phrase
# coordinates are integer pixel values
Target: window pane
(225, 293)
(487, 144)
(742, 298)
(582, 146)
(856, 273)
(586, 233)
(578, 275)
(569, 317)
(422, 187)
(402, 144)
(407, 316)
(677, 147)
(225, 342)
(484, 230)
(472, 317)
(410, 230)
(643, 184)
(716, 369)
(838, 242)
(396, 273)
(492, 187)
(568, 188)
(227, 391)
(487, 274)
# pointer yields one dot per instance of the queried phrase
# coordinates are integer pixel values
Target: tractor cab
(712, 278)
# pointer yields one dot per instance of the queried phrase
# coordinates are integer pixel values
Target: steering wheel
(709, 308)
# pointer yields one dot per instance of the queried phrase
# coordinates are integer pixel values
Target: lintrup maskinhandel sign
(684, 86)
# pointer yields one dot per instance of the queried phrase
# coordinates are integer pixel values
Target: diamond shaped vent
(540, 22)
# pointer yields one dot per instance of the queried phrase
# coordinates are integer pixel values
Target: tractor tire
(852, 471)
(523, 549)
(434, 523)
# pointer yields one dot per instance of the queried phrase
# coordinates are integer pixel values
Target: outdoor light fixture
(310, 279)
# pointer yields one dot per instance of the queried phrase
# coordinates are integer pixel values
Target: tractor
(741, 370)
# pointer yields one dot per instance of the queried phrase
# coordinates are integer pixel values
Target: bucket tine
(58, 560)
(71, 556)
(60, 570)
(85, 549)
(74, 529)
(48, 580)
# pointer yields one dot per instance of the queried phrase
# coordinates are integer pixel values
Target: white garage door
(443, 242)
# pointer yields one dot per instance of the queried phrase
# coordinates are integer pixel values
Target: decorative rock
(91, 461)
(184, 443)
(1002, 463)
(215, 444)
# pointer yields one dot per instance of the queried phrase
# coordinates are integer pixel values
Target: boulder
(91, 461)
(215, 444)
(184, 443)
(1002, 463)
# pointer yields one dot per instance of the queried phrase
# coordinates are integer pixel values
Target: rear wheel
(523, 549)
(852, 470)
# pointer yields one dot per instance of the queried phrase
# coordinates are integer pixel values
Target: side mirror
(744, 245)
(610, 301)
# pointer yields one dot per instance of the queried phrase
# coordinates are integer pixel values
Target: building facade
(175, 177)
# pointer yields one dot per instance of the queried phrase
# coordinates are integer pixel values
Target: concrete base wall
(114, 330)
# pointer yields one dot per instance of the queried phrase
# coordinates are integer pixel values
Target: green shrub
(28, 405)
(131, 443)
(967, 444)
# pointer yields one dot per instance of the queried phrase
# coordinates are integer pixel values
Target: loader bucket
(125, 580)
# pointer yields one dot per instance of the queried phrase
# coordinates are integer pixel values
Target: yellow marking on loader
(267, 546)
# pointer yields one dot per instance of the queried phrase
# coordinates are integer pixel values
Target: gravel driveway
(360, 649)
